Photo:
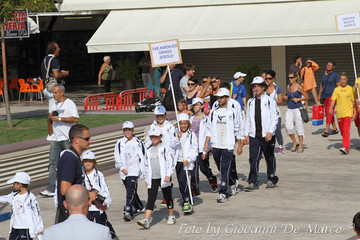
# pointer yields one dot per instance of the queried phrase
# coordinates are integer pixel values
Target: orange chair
(1, 89)
(14, 85)
(38, 88)
(24, 88)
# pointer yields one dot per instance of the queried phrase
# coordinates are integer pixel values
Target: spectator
(145, 64)
(189, 71)
(154, 81)
(260, 129)
(295, 94)
(192, 91)
(51, 65)
(26, 222)
(183, 107)
(204, 93)
(215, 86)
(60, 120)
(343, 97)
(69, 168)
(105, 74)
(296, 66)
(308, 80)
(238, 91)
(176, 75)
(77, 226)
(329, 81)
(276, 93)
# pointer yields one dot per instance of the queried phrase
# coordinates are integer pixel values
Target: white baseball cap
(183, 117)
(239, 74)
(127, 124)
(154, 131)
(222, 92)
(20, 177)
(88, 155)
(258, 80)
(159, 110)
(196, 100)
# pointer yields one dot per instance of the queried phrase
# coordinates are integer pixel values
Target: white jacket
(269, 118)
(190, 147)
(166, 166)
(232, 127)
(202, 132)
(99, 183)
(121, 161)
(32, 212)
(239, 115)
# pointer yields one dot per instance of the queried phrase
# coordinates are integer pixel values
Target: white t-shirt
(95, 184)
(18, 207)
(132, 161)
(66, 109)
(221, 130)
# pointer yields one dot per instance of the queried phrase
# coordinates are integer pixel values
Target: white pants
(50, 96)
(291, 116)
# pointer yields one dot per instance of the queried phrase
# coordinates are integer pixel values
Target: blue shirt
(292, 104)
(240, 91)
(176, 76)
(328, 83)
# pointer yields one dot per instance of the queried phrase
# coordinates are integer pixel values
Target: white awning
(225, 26)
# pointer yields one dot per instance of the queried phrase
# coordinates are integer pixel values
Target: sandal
(325, 134)
(300, 151)
(333, 132)
(294, 148)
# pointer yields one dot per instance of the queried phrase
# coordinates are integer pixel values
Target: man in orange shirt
(343, 96)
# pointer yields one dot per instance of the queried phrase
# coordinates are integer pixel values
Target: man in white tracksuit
(223, 127)
(260, 129)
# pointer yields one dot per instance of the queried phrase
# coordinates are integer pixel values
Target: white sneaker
(171, 220)
(46, 193)
(233, 190)
(145, 223)
(222, 198)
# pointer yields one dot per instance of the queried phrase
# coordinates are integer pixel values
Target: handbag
(303, 112)
(50, 82)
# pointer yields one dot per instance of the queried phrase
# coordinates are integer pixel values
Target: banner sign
(165, 53)
(18, 26)
(347, 21)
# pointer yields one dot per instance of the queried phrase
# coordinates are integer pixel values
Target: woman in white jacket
(186, 150)
(158, 168)
(26, 218)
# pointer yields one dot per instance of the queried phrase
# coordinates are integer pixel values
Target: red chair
(24, 88)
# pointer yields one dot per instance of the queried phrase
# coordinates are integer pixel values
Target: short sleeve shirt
(344, 98)
(69, 169)
(240, 91)
(183, 84)
(176, 76)
(66, 109)
(54, 65)
(329, 83)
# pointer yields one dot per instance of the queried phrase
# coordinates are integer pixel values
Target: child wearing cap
(26, 221)
(129, 158)
(158, 171)
(95, 181)
(186, 150)
(198, 123)
(238, 91)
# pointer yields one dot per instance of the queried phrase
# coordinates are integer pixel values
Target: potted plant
(128, 73)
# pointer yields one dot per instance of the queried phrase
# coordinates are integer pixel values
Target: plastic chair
(24, 88)
(14, 85)
(38, 88)
(1, 89)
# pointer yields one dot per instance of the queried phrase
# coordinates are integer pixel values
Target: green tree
(6, 6)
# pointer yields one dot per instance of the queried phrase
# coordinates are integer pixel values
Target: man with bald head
(77, 226)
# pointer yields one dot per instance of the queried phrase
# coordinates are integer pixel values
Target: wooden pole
(6, 93)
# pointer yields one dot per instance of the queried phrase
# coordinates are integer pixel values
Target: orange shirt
(307, 73)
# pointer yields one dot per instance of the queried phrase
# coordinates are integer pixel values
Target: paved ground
(316, 198)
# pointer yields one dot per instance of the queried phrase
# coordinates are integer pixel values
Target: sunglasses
(191, 84)
(268, 78)
(204, 81)
(86, 139)
(291, 77)
(214, 81)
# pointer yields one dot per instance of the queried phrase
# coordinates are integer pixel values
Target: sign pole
(178, 124)
(353, 58)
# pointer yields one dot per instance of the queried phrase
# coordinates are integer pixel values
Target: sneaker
(281, 150)
(251, 187)
(187, 207)
(233, 190)
(195, 195)
(222, 198)
(47, 193)
(171, 220)
(163, 202)
(344, 150)
(145, 223)
(138, 211)
(270, 184)
(127, 216)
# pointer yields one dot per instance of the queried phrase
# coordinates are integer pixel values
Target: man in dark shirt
(69, 168)
(52, 51)
(176, 75)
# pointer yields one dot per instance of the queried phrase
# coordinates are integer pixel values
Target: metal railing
(91, 102)
(129, 98)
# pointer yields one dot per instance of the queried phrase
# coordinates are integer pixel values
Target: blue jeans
(55, 149)
(278, 133)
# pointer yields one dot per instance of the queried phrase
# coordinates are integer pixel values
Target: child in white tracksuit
(129, 157)
(186, 151)
(26, 222)
(158, 170)
(95, 180)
